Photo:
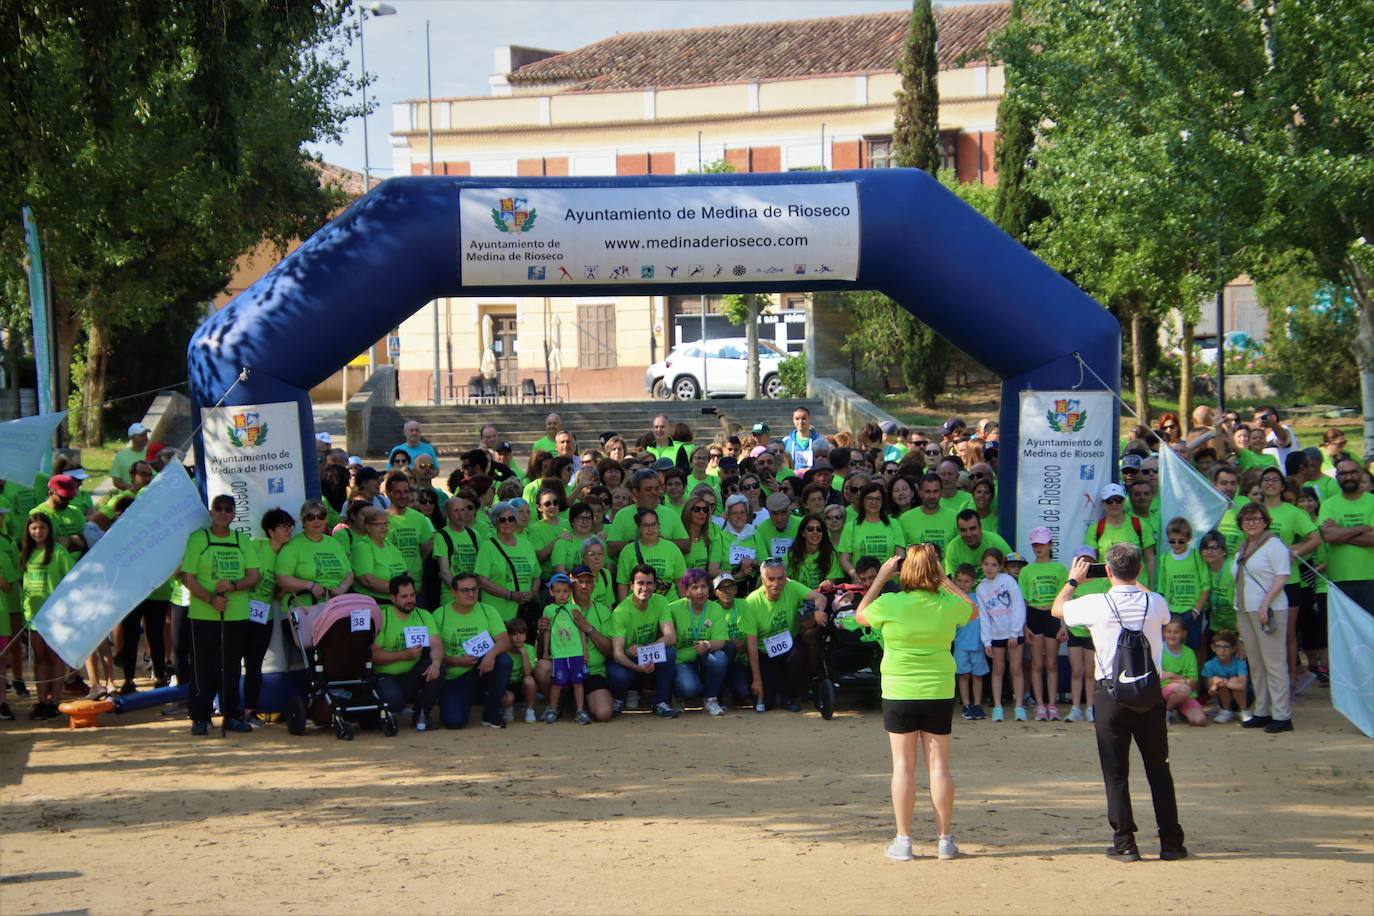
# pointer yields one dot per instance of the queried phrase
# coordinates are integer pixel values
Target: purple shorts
(569, 670)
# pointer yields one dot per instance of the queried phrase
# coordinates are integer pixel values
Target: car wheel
(686, 388)
(662, 392)
(772, 387)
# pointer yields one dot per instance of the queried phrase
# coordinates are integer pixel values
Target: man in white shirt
(1138, 609)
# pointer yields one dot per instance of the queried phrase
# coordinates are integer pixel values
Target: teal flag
(24, 445)
(1350, 654)
(1184, 492)
(140, 552)
(38, 303)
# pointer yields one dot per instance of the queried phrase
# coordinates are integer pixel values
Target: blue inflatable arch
(398, 248)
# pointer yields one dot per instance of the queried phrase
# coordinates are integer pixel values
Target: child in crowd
(522, 670)
(1082, 663)
(1185, 581)
(970, 662)
(1179, 676)
(1312, 626)
(1040, 582)
(567, 649)
(1226, 676)
(1002, 621)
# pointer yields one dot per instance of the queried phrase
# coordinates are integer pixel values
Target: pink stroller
(336, 638)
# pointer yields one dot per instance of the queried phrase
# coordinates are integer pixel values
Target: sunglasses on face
(750, 486)
(313, 517)
(1115, 500)
(933, 452)
(1222, 645)
(812, 529)
(1149, 471)
(506, 520)
(426, 500)
(701, 508)
(1177, 541)
(1211, 546)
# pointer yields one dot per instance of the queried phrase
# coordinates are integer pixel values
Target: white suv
(721, 369)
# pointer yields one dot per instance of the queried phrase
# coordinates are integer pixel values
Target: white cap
(137, 429)
(355, 461)
(1113, 489)
(324, 437)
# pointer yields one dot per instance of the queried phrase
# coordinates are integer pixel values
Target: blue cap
(560, 577)
(580, 570)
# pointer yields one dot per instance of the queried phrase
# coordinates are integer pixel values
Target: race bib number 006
(778, 644)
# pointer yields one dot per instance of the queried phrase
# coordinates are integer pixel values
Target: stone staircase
(455, 429)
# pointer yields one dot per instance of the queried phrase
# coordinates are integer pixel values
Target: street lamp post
(376, 9)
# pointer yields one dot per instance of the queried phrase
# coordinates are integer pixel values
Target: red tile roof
(760, 51)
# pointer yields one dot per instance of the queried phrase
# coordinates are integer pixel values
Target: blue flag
(1186, 493)
(1350, 652)
(139, 553)
(24, 445)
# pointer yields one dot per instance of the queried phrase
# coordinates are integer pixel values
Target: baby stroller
(850, 654)
(336, 638)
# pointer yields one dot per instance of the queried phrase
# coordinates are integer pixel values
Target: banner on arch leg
(1065, 458)
(1350, 654)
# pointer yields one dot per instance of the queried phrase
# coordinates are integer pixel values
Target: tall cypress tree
(916, 133)
(1016, 207)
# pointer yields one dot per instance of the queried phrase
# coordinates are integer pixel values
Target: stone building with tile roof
(808, 94)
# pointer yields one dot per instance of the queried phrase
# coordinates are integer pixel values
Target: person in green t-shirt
(930, 522)
(1039, 582)
(456, 544)
(641, 625)
(1346, 524)
(124, 459)
(771, 625)
(566, 647)
(1185, 582)
(918, 625)
(525, 677)
(220, 568)
(775, 534)
(1221, 593)
(1180, 673)
(476, 653)
(375, 560)
(314, 567)
(872, 533)
(647, 487)
(970, 544)
(1115, 527)
(737, 674)
(593, 618)
(277, 524)
(701, 642)
(407, 529)
(43, 563)
(507, 566)
(553, 424)
(648, 548)
(68, 520)
(407, 653)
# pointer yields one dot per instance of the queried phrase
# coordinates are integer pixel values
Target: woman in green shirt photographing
(917, 625)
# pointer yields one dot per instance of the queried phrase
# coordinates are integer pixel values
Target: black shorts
(1002, 643)
(902, 717)
(594, 682)
(1312, 624)
(1080, 642)
(1041, 622)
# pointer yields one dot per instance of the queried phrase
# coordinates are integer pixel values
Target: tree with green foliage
(715, 167)
(745, 309)
(1311, 328)
(1016, 207)
(916, 131)
(157, 143)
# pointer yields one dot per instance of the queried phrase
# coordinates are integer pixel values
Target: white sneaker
(899, 850)
(713, 707)
(1224, 716)
(530, 717)
(1092, 717)
(632, 700)
(1246, 715)
(947, 849)
(508, 714)
(1075, 715)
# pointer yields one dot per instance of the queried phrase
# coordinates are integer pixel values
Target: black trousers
(784, 675)
(1117, 727)
(410, 689)
(182, 660)
(218, 649)
(149, 617)
(256, 639)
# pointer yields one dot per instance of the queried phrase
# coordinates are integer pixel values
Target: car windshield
(770, 349)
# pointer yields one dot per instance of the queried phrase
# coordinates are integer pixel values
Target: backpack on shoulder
(1135, 681)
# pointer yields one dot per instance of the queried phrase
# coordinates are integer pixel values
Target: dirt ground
(743, 814)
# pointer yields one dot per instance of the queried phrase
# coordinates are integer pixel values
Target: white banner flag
(1184, 492)
(253, 453)
(1352, 647)
(722, 234)
(1065, 460)
(24, 443)
(140, 552)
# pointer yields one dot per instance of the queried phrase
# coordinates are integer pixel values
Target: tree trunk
(1142, 386)
(751, 337)
(93, 388)
(1185, 378)
(1362, 287)
(14, 352)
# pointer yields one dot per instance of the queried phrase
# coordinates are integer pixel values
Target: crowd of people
(652, 569)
